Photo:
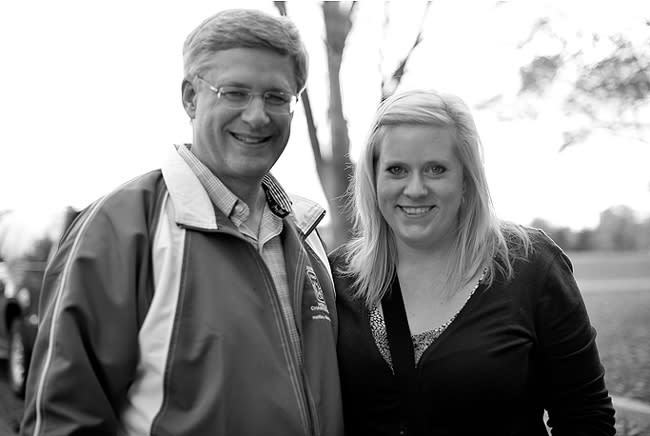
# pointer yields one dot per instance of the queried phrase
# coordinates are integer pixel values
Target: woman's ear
(188, 94)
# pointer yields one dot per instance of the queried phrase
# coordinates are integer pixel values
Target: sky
(90, 97)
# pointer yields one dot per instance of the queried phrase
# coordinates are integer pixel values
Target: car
(20, 284)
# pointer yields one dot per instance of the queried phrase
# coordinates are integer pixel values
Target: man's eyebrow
(237, 84)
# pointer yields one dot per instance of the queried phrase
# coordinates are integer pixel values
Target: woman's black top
(514, 350)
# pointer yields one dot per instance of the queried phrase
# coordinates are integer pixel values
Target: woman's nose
(415, 187)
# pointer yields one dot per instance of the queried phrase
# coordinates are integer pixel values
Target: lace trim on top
(421, 341)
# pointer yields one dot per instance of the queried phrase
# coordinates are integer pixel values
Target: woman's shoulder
(544, 258)
(344, 279)
(544, 248)
(338, 258)
(531, 243)
(533, 253)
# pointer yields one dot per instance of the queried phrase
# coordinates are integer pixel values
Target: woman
(453, 322)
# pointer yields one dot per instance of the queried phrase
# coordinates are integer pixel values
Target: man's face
(240, 145)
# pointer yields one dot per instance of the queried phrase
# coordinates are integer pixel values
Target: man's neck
(250, 193)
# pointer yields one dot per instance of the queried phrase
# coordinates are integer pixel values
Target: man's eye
(276, 99)
(235, 94)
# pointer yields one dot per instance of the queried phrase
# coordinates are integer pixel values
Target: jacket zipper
(295, 368)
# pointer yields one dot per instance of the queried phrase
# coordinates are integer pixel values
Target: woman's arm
(573, 382)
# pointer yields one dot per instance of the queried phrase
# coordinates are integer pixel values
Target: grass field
(607, 266)
(622, 322)
(616, 290)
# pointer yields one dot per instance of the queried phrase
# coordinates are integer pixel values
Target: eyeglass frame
(293, 101)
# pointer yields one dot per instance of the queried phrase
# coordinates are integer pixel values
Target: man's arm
(86, 348)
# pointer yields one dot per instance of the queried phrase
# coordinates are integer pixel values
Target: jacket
(515, 349)
(159, 318)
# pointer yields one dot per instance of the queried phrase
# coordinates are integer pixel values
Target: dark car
(20, 284)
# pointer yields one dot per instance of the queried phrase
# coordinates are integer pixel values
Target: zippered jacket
(159, 318)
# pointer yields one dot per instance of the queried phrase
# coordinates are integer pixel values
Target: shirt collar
(223, 198)
(192, 207)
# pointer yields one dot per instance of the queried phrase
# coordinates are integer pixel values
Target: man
(197, 299)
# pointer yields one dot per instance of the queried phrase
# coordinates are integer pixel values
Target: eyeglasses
(234, 97)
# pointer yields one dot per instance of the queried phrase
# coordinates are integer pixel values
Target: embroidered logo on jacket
(319, 310)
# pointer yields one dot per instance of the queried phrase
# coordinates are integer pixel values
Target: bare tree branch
(543, 25)
(616, 129)
(389, 88)
(351, 11)
(385, 25)
(282, 7)
(309, 115)
(612, 131)
(311, 128)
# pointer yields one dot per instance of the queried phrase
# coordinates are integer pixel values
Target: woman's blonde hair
(481, 238)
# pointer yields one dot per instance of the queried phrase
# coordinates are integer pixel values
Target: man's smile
(250, 139)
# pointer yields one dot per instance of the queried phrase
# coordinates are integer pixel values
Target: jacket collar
(193, 207)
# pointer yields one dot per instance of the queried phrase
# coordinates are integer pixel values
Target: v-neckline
(377, 333)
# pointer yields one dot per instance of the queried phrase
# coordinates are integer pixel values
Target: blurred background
(560, 91)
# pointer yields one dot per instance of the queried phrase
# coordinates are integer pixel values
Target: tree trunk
(336, 170)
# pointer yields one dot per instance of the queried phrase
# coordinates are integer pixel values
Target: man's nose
(415, 187)
(255, 113)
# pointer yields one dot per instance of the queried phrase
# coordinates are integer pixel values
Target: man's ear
(188, 94)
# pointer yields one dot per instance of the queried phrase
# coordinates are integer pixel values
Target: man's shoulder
(306, 213)
(144, 185)
(136, 198)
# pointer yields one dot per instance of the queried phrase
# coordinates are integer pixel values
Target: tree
(335, 169)
(585, 240)
(619, 230)
(602, 80)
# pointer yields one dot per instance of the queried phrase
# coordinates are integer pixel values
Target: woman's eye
(395, 170)
(435, 170)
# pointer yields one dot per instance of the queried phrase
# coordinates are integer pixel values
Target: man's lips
(250, 139)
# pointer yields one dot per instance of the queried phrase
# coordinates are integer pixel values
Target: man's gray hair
(244, 28)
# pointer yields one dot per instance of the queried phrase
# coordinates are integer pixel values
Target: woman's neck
(419, 263)
(425, 255)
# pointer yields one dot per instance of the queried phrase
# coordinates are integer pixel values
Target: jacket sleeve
(573, 382)
(85, 352)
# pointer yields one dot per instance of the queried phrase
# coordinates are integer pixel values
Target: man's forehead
(253, 67)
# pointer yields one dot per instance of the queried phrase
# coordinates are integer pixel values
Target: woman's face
(419, 185)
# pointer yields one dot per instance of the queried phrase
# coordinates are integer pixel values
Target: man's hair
(481, 239)
(244, 28)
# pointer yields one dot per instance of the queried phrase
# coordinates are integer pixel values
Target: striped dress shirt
(267, 241)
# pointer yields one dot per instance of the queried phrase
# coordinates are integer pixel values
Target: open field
(616, 290)
(622, 322)
(611, 271)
